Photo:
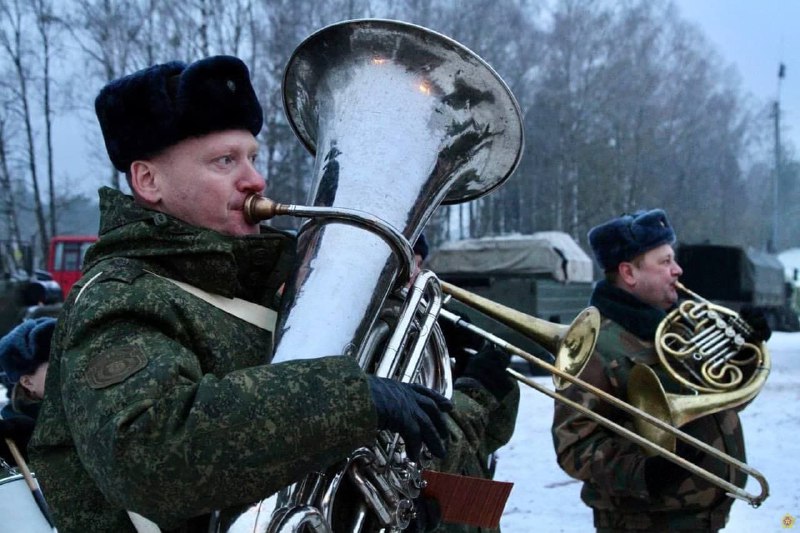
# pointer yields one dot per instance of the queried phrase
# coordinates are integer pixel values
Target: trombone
(573, 345)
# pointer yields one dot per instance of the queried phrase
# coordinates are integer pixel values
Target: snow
(544, 499)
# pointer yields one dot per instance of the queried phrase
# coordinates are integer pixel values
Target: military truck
(544, 274)
(25, 292)
(733, 276)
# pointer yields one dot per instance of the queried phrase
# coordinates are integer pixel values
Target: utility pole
(772, 246)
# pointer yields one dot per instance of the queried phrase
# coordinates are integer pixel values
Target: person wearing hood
(24, 359)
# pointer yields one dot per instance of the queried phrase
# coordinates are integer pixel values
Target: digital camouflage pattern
(163, 404)
(612, 467)
(479, 425)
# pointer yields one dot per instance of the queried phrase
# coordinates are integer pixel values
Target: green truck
(545, 275)
(733, 276)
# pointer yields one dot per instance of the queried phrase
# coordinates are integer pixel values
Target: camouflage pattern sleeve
(478, 425)
(173, 417)
(609, 463)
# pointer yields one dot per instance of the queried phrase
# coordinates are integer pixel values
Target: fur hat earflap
(26, 347)
(145, 112)
(623, 238)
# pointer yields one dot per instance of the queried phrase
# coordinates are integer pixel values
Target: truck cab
(733, 276)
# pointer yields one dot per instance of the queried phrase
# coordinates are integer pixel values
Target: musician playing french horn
(627, 489)
(159, 403)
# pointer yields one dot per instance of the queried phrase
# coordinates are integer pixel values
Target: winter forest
(626, 106)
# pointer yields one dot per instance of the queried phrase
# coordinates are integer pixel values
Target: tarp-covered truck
(733, 276)
(545, 274)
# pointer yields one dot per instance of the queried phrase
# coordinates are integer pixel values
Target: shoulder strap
(258, 315)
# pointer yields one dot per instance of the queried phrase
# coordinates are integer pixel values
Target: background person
(24, 356)
(485, 402)
(627, 489)
(159, 402)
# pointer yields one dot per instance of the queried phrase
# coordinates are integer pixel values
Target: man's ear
(144, 182)
(26, 381)
(626, 273)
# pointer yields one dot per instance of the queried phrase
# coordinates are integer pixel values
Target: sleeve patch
(108, 369)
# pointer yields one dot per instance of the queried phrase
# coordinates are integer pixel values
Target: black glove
(413, 411)
(427, 516)
(461, 341)
(756, 319)
(488, 367)
(661, 473)
(19, 429)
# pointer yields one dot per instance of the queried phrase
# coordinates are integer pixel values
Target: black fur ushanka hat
(152, 109)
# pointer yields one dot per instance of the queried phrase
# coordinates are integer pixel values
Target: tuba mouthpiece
(257, 208)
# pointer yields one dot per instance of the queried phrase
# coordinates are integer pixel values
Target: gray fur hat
(623, 238)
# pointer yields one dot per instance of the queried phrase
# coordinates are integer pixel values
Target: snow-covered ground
(544, 499)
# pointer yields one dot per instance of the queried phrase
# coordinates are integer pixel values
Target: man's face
(204, 180)
(653, 277)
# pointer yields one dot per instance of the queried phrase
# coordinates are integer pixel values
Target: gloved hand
(427, 517)
(661, 473)
(413, 411)
(488, 367)
(757, 320)
(18, 429)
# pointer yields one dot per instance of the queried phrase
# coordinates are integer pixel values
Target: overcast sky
(756, 36)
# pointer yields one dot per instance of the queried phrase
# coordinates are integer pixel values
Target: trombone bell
(571, 345)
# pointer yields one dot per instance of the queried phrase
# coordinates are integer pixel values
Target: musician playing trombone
(160, 403)
(485, 406)
(627, 489)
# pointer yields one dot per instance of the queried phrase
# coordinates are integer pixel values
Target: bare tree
(7, 192)
(45, 25)
(14, 44)
(109, 35)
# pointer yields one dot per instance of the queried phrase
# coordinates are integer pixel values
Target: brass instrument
(656, 415)
(704, 347)
(401, 120)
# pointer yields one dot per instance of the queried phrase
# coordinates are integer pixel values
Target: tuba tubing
(541, 332)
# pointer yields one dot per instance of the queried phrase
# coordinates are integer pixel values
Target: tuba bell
(400, 119)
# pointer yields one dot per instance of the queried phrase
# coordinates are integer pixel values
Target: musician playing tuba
(160, 404)
(627, 489)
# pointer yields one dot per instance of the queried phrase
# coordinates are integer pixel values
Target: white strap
(142, 524)
(255, 314)
(86, 285)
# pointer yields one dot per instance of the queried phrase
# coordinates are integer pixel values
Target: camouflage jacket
(160, 403)
(612, 467)
(479, 425)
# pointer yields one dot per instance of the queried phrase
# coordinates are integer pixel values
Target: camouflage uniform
(160, 403)
(479, 425)
(612, 467)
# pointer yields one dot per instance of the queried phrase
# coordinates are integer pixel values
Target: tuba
(400, 119)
